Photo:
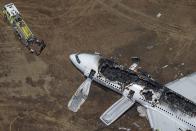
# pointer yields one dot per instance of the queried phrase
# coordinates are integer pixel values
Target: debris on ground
(142, 111)
(159, 15)
(165, 66)
(124, 129)
(170, 49)
(137, 125)
(182, 64)
(150, 47)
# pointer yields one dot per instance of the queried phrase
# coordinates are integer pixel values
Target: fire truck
(21, 29)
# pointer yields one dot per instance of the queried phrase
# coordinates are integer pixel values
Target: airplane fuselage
(147, 92)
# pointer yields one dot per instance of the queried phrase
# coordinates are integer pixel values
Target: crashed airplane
(173, 104)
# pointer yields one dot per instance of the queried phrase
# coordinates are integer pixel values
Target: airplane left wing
(116, 110)
(185, 86)
(163, 122)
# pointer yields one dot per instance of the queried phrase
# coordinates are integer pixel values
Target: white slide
(80, 95)
(116, 110)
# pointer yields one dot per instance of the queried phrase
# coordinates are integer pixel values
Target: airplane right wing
(163, 122)
(116, 110)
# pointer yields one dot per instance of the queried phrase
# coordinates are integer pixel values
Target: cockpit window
(77, 58)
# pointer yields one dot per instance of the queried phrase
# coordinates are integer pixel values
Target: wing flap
(116, 110)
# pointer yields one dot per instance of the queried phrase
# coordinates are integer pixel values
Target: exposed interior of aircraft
(115, 72)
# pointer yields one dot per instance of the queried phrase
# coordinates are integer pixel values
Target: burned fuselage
(178, 102)
(114, 72)
(153, 92)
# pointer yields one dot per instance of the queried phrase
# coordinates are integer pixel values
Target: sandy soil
(34, 91)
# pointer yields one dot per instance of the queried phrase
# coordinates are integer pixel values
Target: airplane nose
(72, 57)
(85, 62)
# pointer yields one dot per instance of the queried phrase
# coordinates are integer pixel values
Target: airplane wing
(163, 122)
(185, 86)
(116, 110)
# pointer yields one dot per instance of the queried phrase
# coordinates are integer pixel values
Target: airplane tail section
(116, 110)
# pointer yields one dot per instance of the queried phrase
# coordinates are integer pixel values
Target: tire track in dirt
(85, 10)
(189, 3)
(183, 48)
(146, 21)
(48, 16)
(3, 35)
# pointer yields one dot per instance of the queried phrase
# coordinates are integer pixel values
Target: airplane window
(77, 59)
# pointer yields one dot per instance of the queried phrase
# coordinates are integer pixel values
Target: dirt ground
(34, 91)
